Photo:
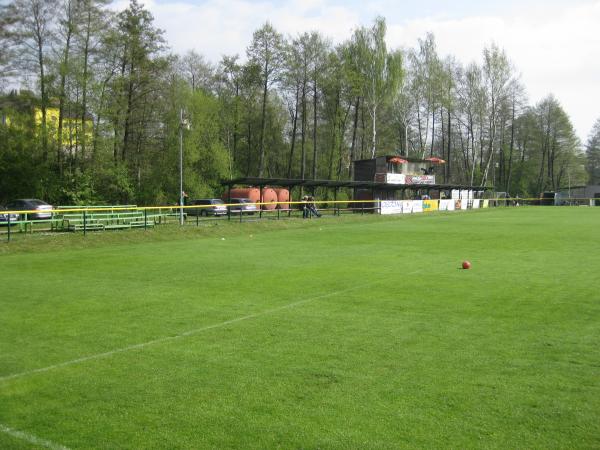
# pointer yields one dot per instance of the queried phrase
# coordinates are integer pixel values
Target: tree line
(110, 96)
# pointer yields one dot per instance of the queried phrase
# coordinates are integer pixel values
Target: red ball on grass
(466, 265)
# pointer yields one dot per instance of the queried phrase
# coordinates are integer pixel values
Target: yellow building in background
(19, 110)
(72, 126)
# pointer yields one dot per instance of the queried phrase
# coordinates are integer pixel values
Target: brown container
(283, 195)
(269, 195)
(253, 194)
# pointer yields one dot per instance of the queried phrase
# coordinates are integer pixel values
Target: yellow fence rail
(124, 216)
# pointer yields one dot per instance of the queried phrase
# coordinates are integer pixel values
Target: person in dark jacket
(305, 208)
(312, 207)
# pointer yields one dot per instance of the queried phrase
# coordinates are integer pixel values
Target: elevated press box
(396, 170)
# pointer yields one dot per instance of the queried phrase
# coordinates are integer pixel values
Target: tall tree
(318, 49)
(7, 55)
(33, 30)
(593, 154)
(382, 70)
(424, 69)
(266, 53)
(556, 144)
(137, 89)
(93, 21)
(229, 91)
(198, 72)
(497, 74)
(66, 30)
(141, 44)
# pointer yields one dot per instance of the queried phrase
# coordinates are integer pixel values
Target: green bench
(106, 221)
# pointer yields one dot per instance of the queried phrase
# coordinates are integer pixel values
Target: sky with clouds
(554, 45)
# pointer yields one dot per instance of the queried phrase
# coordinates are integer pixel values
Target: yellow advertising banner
(430, 205)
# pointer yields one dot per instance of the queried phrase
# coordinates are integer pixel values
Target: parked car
(4, 216)
(31, 204)
(213, 207)
(243, 205)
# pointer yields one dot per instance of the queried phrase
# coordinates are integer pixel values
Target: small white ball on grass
(222, 239)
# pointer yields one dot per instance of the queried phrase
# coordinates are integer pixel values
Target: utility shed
(589, 192)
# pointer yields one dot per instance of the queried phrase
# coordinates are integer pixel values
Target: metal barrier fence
(96, 218)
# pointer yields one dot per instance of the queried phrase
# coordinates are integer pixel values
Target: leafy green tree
(8, 57)
(21, 165)
(92, 23)
(593, 154)
(382, 70)
(423, 71)
(266, 54)
(496, 76)
(198, 72)
(32, 29)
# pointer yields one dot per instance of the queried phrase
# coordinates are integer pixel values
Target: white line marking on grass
(187, 333)
(31, 438)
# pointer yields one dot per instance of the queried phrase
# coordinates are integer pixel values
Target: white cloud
(556, 48)
(556, 51)
(223, 27)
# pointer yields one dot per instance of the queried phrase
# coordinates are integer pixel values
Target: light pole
(182, 123)
(181, 166)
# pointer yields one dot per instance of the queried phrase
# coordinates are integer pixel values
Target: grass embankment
(354, 333)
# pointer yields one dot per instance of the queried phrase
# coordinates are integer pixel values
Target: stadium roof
(292, 182)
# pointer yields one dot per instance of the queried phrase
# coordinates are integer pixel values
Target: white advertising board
(407, 206)
(395, 178)
(417, 206)
(391, 206)
(455, 194)
(446, 205)
(476, 203)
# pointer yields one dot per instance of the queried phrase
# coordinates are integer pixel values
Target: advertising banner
(486, 203)
(407, 206)
(458, 204)
(464, 203)
(455, 194)
(395, 178)
(446, 205)
(420, 179)
(430, 205)
(391, 206)
(390, 178)
(417, 206)
(476, 203)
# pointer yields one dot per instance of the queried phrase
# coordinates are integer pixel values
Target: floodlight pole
(181, 166)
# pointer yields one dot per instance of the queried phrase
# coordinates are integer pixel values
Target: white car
(242, 205)
(42, 209)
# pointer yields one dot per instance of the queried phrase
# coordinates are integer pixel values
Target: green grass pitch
(354, 332)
